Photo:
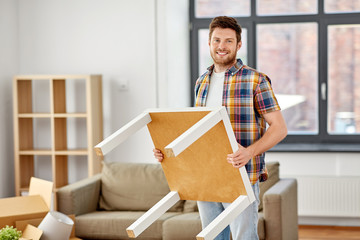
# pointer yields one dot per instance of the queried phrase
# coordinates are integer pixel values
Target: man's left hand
(239, 158)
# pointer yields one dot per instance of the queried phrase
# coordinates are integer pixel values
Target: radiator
(329, 196)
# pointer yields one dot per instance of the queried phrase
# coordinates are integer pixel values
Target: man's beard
(229, 60)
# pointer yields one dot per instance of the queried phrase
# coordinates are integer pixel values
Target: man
(250, 102)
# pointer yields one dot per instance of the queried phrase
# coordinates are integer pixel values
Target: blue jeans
(244, 227)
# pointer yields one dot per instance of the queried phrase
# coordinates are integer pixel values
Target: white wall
(115, 38)
(173, 38)
(316, 166)
(9, 67)
(125, 41)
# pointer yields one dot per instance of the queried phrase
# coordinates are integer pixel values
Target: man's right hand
(158, 154)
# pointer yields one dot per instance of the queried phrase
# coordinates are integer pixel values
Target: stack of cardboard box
(26, 212)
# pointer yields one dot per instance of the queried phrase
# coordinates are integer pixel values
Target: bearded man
(250, 102)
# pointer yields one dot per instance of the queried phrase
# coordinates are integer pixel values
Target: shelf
(49, 152)
(57, 122)
(49, 115)
(36, 152)
(72, 152)
(56, 77)
(34, 115)
(24, 190)
(70, 115)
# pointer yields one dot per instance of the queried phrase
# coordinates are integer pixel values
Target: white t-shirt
(214, 97)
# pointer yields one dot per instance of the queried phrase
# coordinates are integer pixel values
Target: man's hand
(239, 158)
(158, 154)
(274, 134)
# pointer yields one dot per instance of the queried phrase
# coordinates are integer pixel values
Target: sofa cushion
(182, 227)
(113, 224)
(190, 206)
(261, 226)
(273, 172)
(133, 186)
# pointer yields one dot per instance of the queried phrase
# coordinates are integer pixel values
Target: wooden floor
(328, 232)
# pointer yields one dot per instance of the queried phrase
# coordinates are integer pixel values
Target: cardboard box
(31, 232)
(43, 188)
(21, 225)
(21, 208)
(36, 205)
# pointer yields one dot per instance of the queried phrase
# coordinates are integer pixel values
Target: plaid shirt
(247, 95)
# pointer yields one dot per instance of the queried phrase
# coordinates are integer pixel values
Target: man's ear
(239, 46)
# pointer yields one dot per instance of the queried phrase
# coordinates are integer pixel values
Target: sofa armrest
(280, 211)
(80, 197)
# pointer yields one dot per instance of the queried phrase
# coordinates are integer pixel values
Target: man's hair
(225, 22)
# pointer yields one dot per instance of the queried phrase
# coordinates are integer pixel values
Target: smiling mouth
(222, 53)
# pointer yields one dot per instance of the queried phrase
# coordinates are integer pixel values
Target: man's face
(223, 47)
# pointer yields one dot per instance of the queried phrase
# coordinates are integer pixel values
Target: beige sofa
(106, 204)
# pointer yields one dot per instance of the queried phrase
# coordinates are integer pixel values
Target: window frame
(323, 141)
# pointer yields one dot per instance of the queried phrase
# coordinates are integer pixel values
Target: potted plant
(9, 233)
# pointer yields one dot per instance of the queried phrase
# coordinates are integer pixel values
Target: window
(210, 8)
(287, 53)
(310, 49)
(344, 79)
(275, 7)
(336, 6)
